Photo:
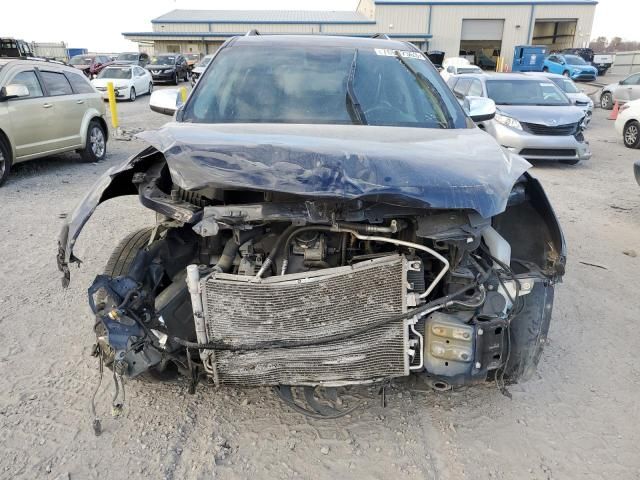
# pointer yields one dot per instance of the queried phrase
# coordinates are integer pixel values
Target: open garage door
(555, 34)
(481, 41)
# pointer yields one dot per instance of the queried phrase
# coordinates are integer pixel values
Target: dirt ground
(578, 419)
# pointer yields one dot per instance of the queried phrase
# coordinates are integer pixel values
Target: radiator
(307, 307)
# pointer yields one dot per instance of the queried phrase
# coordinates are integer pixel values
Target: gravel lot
(578, 419)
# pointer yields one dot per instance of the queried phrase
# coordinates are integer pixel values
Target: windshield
(525, 92)
(320, 85)
(80, 61)
(566, 85)
(204, 62)
(112, 72)
(574, 60)
(128, 57)
(163, 60)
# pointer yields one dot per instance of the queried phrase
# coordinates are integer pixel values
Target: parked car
(456, 66)
(534, 118)
(134, 58)
(192, 59)
(48, 108)
(628, 124)
(90, 65)
(169, 67)
(601, 61)
(624, 91)
(571, 66)
(571, 90)
(129, 81)
(200, 68)
(325, 242)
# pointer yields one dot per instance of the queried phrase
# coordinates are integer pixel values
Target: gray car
(622, 92)
(534, 119)
(571, 90)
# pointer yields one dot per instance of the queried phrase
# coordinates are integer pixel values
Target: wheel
(150, 88)
(186, 76)
(175, 79)
(569, 162)
(96, 147)
(5, 161)
(631, 134)
(545, 69)
(118, 264)
(606, 101)
(132, 94)
(566, 73)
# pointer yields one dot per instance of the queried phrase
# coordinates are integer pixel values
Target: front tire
(5, 161)
(150, 91)
(545, 69)
(96, 144)
(132, 94)
(606, 101)
(176, 80)
(631, 135)
(566, 73)
(119, 264)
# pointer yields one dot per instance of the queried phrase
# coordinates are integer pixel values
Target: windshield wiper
(352, 100)
(426, 85)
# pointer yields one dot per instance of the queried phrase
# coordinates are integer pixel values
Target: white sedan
(129, 81)
(628, 124)
(456, 66)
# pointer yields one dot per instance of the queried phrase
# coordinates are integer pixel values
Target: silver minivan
(534, 118)
(48, 108)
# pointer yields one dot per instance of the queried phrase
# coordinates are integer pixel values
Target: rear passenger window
(461, 87)
(79, 83)
(475, 89)
(56, 83)
(29, 80)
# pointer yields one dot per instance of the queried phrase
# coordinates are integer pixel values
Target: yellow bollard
(183, 94)
(112, 105)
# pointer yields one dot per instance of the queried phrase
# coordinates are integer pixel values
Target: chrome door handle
(80, 101)
(47, 105)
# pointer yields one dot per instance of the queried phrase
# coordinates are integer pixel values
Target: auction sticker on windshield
(387, 52)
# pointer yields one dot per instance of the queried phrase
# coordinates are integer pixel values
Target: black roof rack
(384, 36)
(252, 33)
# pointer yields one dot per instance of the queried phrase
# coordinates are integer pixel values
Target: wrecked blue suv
(327, 215)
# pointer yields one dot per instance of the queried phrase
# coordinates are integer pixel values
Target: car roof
(498, 76)
(545, 74)
(45, 64)
(320, 40)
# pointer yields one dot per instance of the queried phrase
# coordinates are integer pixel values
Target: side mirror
(480, 109)
(451, 69)
(14, 90)
(166, 101)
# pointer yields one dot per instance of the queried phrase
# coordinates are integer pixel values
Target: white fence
(626, 62)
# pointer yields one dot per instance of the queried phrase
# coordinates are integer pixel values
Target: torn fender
(115, 182)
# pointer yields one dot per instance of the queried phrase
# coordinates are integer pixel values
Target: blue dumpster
(528, 58)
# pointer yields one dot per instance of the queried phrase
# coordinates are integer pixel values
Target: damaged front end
(250, 284)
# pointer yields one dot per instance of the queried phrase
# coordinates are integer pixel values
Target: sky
(97, 25)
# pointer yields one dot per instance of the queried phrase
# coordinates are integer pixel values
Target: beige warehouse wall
(446, 26)
(402, 18)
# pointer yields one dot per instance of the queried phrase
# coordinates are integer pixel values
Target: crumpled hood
(551, 116)
(437, 168)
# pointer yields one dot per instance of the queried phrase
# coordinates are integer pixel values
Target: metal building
(483, 30)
